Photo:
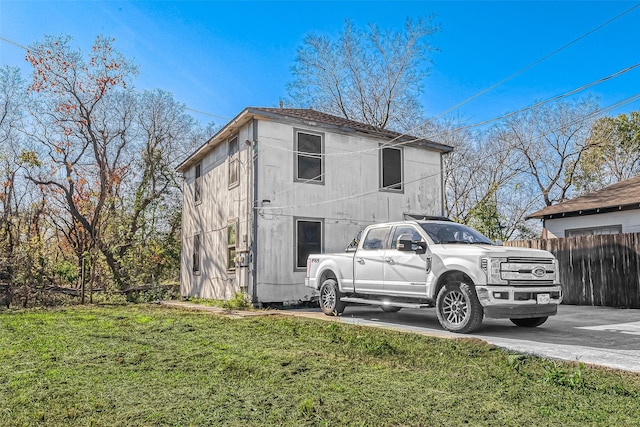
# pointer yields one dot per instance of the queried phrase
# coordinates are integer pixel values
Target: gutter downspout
(254, 213)
(442, 206)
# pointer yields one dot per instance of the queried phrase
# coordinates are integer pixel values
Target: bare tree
(477, 175)
(550, 140)
(369, 76)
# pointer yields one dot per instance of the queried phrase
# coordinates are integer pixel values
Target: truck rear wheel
(330, 295)
(458, 308)
(531, 322)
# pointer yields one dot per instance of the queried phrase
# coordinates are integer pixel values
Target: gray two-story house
(274, 185)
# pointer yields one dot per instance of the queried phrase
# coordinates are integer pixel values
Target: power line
(618, 104)
(13, 43)
(519, 71)
(389, 143)
(533, 64)
(186, 108)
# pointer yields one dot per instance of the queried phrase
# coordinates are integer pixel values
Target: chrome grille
(522, 260)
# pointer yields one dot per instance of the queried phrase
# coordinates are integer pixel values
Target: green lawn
(149, 365)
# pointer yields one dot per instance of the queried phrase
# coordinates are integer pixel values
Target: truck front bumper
(512, 302)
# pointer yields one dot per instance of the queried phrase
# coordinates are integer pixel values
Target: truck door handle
(360, 261)
(389, 260)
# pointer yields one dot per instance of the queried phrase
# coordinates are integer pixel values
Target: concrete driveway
(594, 335)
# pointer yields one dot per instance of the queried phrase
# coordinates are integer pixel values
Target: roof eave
(229, 129)
(541, 214)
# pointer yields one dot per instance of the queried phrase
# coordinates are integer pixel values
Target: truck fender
(470, 268)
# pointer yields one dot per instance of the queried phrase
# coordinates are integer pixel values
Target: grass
(153, 366)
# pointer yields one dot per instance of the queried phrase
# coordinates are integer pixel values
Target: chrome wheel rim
(328, 297)
(455, 307)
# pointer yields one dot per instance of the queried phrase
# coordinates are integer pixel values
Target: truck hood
(488, 251)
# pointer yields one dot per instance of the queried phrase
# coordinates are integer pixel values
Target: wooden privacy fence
(596, 270)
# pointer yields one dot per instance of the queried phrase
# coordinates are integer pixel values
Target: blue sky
(219, 57)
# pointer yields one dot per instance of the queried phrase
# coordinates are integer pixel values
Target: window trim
(297, 153)
(197, 184)
(381, 186)
(296, 220)
(233, 162)
(196, 254)
(588, 231)
(231, 265)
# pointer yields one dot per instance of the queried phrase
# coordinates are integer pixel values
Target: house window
(391, 169)
(309, 148)
(593, 231)
(234, 162)
(197, 187)
(232, 238)
(196, 254)
(308, 240)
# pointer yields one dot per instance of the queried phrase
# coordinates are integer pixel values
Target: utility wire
(13, 43)
(533, 64)
(484, 122)
(137, 91)
(441, 134)
(618, 104)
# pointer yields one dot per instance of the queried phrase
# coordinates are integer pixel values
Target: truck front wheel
(458, 308)
(530, 322)
(330, 295)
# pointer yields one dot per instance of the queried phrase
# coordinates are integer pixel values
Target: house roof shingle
(309, 115)
(622, 195)
(345, 124)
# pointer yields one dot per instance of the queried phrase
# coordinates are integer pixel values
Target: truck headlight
(491, 267)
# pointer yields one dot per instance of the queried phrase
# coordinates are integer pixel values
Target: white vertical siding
(630, 221)
(348, 200)
(219, 205)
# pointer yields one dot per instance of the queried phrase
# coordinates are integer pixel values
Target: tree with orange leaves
(105, 150)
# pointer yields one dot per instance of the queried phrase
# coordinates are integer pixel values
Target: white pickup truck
(441, 264)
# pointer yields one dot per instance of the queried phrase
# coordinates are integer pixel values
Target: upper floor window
(234, 162)
(197, 187)
(309, 150)
(391, 172)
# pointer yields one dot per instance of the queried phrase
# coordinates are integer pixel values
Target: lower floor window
(196, 254)
(308, 240)
(232, 234)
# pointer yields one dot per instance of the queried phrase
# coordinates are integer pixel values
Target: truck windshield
(454, 233)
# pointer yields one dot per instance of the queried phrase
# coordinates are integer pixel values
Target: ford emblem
(539, 271)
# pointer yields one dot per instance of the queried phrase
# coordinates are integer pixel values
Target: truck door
(368, 263)
(405, 273)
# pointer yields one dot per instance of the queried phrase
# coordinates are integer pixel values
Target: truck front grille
(519, 271)
(522, 260)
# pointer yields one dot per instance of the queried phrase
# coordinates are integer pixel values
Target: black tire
(330, 295)
(458, 308)
(390, 308)
(531, 322)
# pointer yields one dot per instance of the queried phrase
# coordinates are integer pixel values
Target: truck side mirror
(406, 244)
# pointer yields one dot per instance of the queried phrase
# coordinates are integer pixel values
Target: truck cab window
(400, 230)
(376, 239)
